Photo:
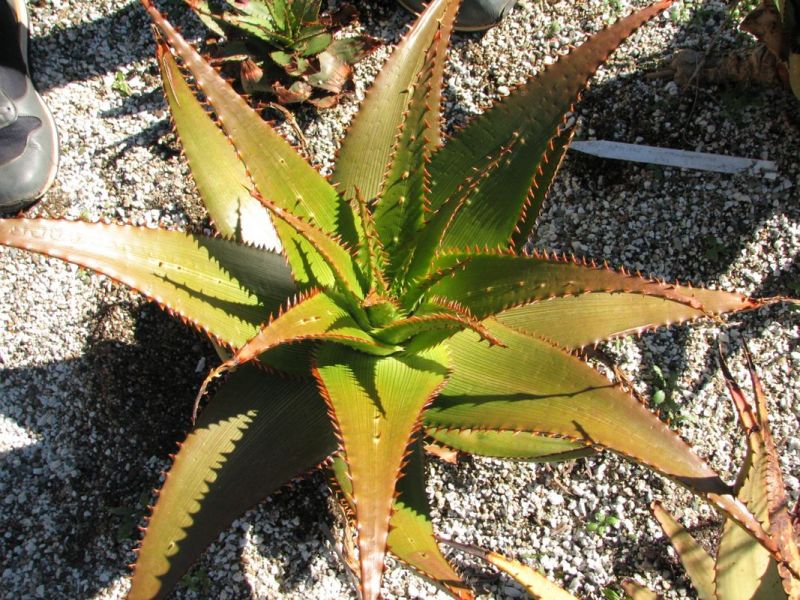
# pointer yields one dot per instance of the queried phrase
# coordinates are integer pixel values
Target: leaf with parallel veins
(536, 387)
(411, 536)
(531, 115)
(400, 209)
(219, 173)
(376, 404)
(367, 148)
(511, 444)
(578, 321)
(277, 170)
(335, 267)
(257, 433)
(698, 563)
(492, 283)
(223, 288)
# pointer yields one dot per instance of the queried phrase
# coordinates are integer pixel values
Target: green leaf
(487, 284)
(221, 178)
(277, 170)
(258, 432)
(317, 317)
(745, 569)
(400, 211)
(579, 321)
(446, 322)
(353, 49)
(760, 486)
(540, 186)
(411, 536)
(698, 563)
(331, 263)
(528, 120)
(376, 404)
(367, 149)
(536, 387)
(512, 445)
(223, 288)
(210, 20)
(315, 44)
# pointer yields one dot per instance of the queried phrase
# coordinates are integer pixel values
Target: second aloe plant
(394, 303)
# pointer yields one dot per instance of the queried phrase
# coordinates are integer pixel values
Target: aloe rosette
(361, 313)
(743, 569)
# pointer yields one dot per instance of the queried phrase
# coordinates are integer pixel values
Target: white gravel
(96, 386)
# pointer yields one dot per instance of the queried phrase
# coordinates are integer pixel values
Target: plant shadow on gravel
(131, 403)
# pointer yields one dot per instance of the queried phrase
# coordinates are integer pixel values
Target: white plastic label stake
(670, 157)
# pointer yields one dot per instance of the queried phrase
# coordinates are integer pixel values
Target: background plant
(411, 305)
(285, 48)
(741, 568)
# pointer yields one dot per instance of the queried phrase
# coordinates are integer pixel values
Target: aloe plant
(285, 48)
(743, 569)
(390, 302)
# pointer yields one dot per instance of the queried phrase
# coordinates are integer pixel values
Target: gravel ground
(96, 385)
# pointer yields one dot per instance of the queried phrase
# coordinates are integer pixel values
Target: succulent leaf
(258, 432)
(536, 387)
(744, 568)
(277, 170)
(318, 316)
(636, 591)
(400, 210)
(376, 403)
(530, 118)
(367, 148)
(220, 175)
(761, 488)
(335, 265)
(579, 321)
(540, 186)
(490, 283)
(536, 584)
(698, 563)
(223, 288)
(512, 444)
(411, 537)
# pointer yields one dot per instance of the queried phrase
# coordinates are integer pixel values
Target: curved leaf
(536, 584)
(223, 288)
(220, 175)
(578, 321)
(698, 563)
(512, 445)
(491, 283)
(400, 211)
(536, 387)
(745, 570)
(315, 317)
(540, 186)
(257, 433)
(335, 266)
(411, 537)
(529, 118)
(376, 403)
(367, 148)
(277, 170)
(761, 488)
